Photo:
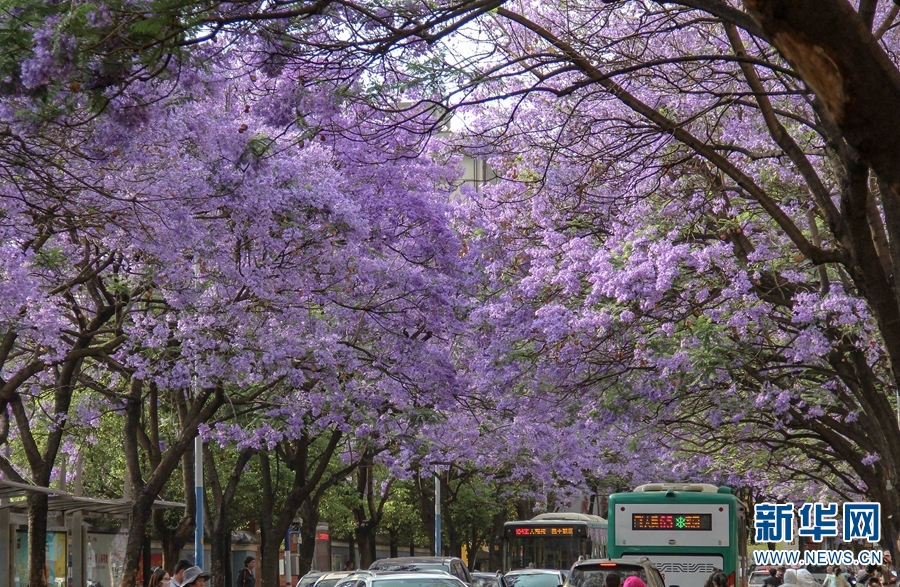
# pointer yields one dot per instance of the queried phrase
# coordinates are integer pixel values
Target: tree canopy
(247, 219)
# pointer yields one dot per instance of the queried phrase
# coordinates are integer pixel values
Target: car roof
(417, 559)
(379, 574)
(486, 575)
(534, 572)
(336, 574)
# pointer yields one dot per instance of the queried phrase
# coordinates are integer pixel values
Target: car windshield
(595, 576)
(306, 581)
(424, 582)
(329, 582)
(388, 566)
(484, 581)
(533, 580)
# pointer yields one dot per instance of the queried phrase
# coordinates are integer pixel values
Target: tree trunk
(144, 493)
(309, 519)
(495, 542)
(426, 508)
(365, 538)
(37, 540)
(351, 547)
(174, 539)
(220, 550)
(222, 498)
(394, 547)
(142, 503)
(307, 547)
(268, 565)
(270, 551)
(171, 544)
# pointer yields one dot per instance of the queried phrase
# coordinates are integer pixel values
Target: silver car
(400, 579)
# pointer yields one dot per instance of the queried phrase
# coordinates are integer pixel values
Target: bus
(553, 541)
(688, 530)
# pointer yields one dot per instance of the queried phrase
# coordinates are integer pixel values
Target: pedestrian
(613, 580)
(806, 579)
(887, 565)
(178, 573)
(245, 577)
(790, 578)
(350, 566)
(717, 579)
(634, 581)
(836, 578)
(773, 580)
(159, 577)
(194, 577)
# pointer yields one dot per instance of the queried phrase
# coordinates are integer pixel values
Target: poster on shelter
(55, 571)
(106, 557)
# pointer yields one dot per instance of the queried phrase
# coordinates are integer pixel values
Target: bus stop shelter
(68, 508)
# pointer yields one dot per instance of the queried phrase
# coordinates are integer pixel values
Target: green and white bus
(687, 530)
(553, 541)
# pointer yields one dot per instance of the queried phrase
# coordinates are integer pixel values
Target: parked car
(331, 579)
(535, 578)
(489, 580)
(401, 579)
(309, 579)
(448, 564)
(593, 572)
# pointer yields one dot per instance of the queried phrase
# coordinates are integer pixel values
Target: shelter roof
(62, 501)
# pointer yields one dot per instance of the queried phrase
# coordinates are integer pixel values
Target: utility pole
(198, 491)
(437, 511)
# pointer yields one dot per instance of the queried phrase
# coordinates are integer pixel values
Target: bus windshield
(543, 552)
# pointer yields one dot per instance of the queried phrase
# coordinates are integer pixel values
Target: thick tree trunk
(140, 517)
(37, 540)
(307, 549)
(269, 551)
(220, 551)
(309, 519)
(365, 538)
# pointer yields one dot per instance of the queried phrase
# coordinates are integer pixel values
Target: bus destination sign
(548, 531)
(671, 521)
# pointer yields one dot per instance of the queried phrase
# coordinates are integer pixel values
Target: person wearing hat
(194, 577)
